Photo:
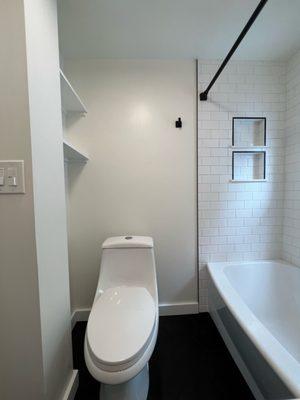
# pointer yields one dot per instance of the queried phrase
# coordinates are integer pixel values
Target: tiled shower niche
(248, 166)
(249, 143)
(248, 132)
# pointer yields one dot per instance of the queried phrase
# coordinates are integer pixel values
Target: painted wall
(239, 221)
(49, 192)
(141, 177)
(35, 337)
(291, 224)
(20, 339)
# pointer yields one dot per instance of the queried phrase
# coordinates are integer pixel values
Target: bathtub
(256, 308)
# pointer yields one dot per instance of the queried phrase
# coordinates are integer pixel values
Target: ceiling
(177, 29)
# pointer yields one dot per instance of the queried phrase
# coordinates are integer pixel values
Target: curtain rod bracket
(203, 96)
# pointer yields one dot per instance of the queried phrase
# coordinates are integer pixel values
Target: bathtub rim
(269, 347)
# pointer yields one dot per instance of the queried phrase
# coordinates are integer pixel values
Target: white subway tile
(244, 221)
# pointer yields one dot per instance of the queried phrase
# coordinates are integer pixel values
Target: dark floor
(190, 362)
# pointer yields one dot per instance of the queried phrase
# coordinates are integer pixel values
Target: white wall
(239, 221)
(291, 225)
(141, 177)
(49, 192)
(35, 340)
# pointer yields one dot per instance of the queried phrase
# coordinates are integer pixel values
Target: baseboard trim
(82, 314)
(178, 308)
(72, 386)
(203, 308)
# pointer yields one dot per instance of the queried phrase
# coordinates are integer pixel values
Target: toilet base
(134, 389)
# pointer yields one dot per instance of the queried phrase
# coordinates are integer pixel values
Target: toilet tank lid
(129, 241)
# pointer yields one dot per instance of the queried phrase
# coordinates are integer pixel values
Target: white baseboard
(203, 308)
(72, 386)
(82, 314)
(178, 308)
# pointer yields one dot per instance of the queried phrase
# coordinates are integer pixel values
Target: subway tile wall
(291, 223)
(239, 221)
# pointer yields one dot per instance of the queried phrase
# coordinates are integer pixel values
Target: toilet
(122, 327)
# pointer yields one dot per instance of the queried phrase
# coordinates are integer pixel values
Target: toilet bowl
(122, 327)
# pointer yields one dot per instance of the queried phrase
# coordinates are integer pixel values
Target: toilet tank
(129, 261)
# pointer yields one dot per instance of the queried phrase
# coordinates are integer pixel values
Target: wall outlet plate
(13, 181)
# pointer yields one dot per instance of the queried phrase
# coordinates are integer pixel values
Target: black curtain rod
(203, 95)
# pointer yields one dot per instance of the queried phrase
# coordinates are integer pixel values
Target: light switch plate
(17, 167)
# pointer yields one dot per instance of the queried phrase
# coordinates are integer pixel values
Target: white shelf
(71, 154)
(249, 148)
(70, 100)
(247, 181)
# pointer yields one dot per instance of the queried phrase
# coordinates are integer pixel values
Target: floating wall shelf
(70, 100)
(72, 155)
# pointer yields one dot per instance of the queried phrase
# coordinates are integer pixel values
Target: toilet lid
(120, 324)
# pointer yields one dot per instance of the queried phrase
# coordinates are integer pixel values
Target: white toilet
(123, 323)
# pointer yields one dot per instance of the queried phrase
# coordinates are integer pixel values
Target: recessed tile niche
(248, 166)
(249, 143)
(248, 132)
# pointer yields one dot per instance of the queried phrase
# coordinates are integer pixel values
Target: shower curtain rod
(203, 95)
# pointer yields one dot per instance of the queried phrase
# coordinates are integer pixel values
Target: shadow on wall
(72, 118)
(74, 170)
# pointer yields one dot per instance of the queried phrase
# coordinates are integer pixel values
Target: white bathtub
(256, 307)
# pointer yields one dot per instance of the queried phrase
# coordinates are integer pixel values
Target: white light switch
(2, 176)
(12, 177)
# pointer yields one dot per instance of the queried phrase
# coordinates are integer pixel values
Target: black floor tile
(190, 362)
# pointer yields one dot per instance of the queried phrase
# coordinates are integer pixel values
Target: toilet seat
(120, 327)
